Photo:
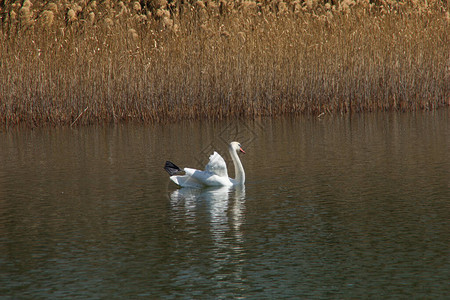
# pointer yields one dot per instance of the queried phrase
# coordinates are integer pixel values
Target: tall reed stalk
(153, 61)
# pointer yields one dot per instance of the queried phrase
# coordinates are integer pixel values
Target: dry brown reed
(158, 60)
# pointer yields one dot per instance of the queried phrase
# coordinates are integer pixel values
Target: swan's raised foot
(172, 168)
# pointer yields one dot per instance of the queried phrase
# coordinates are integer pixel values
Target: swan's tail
(171, 168)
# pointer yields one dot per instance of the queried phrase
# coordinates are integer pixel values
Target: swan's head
(236, 147)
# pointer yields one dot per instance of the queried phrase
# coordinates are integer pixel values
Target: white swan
(215, 173)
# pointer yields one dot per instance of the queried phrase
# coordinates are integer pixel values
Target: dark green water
(332, 208)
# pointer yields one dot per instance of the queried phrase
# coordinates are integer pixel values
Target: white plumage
(215, 173)
(217, 165)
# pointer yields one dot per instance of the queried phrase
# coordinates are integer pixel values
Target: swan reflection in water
(223, 208)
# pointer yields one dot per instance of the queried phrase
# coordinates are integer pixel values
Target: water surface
(332, 208)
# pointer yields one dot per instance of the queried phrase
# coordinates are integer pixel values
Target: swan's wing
(186, 181)
(217, 165)
(207, 178)
(215, 174)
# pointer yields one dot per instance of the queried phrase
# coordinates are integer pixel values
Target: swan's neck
(238, 168)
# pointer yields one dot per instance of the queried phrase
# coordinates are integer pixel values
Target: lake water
(334, 208)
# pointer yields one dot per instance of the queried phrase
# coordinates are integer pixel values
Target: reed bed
(84, 62)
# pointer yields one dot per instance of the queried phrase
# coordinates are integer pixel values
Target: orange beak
(242, 150)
